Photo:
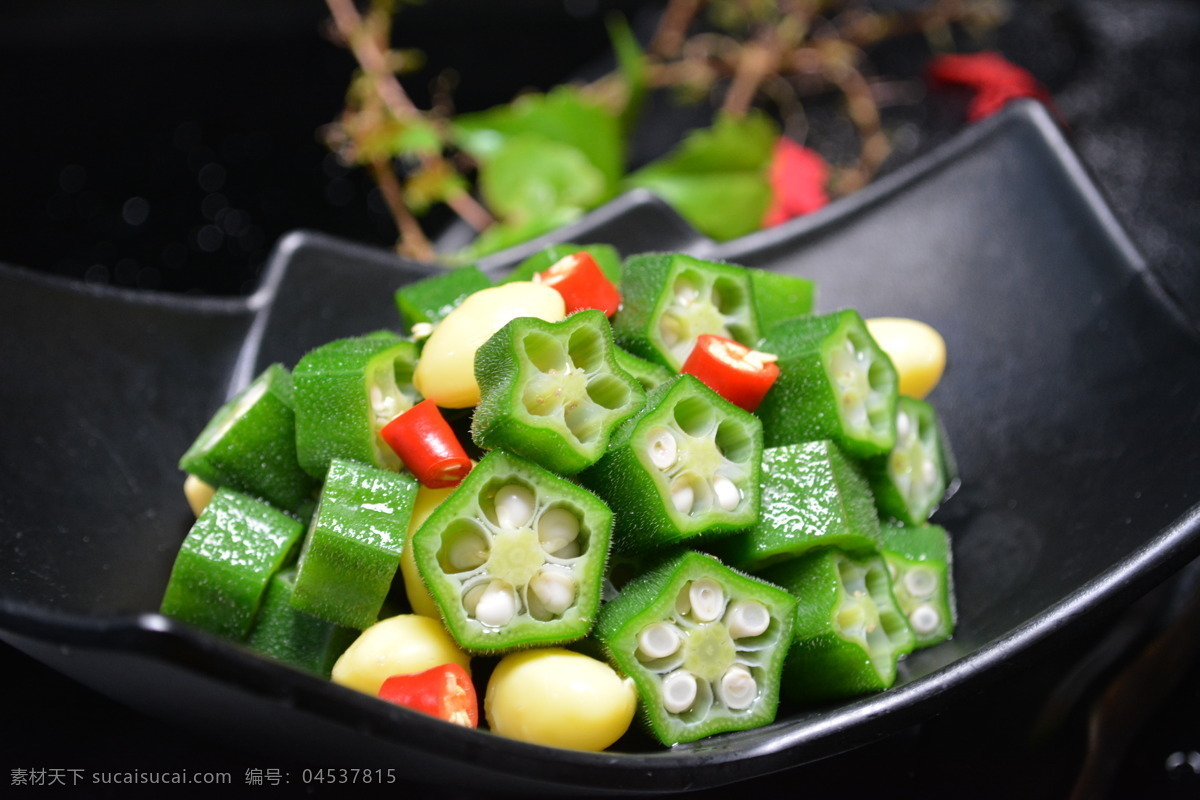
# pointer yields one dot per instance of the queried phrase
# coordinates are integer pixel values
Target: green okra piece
(849, 632)
(648, 374)
(835, 382)
(687, 464)
(812, 496)
(353, 547)
(429, 300)
(919, 560)
(300, 640)
(515, 556)
(552, 391)
(779, 296)
(226, 561)
(346, 391)
(669, 299)
(703, 643)
(911, 481)
(250, 445)
(607, 258)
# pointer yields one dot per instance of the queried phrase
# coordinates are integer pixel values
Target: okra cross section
(226, 561)
(813, 495)
(704, 644)
(552, 391)
(669, 299)
(346, 391)
(910, 481)
(687, 464)
(849, 632)
(919, 561)
(250, 445)
(515, 556)
(835, 382)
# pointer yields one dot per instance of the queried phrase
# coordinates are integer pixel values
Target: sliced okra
(648, 374)
(346, 391)
(515, 556)
(286, 634)
(226, 561)
(250, 445)
(353, 547)
(427, 301)
(552, 391)
(670, 299)
(607, 258)
(687, 464)
(704, 644)
(779, 296)
(812, 496)
(911, 480)
(849, 632)
(919, 561)
(835, 382)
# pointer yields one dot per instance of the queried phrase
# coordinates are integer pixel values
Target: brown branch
(756, 62)
(413, 242)
(672, 27)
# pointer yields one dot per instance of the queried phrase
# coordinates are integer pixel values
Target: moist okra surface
(515, 556)
(703, 643)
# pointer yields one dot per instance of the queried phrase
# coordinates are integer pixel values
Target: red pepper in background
(427, 445)
(445, 692)
(582, 284)
(740, 375)
(798, 176)
(995, 81)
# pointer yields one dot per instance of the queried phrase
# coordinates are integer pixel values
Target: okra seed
(686, 292)
(514, 506)
(672, 329)
(707, 599)
(683, 497)
(747, 618)
(466, 552)
(570, 550)
(924, 619)
(737, 688)
(903, 425)
(556, 529)
(727, 493)
(664, 450)
(928, 472)
(920, 582)
(554, 588)
(496, 605)
(659, 640)
(679, 691)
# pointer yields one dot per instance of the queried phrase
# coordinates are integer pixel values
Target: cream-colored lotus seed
(414, 585)
(916, 349)
(559, 698)
(396, 646)
(445, 372)
(198, 494)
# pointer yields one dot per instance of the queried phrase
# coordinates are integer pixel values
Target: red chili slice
(582, 284)
(740, 375)
(427, 445)
(445, 692)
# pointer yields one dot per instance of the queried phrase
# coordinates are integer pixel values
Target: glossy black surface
(1071, 399)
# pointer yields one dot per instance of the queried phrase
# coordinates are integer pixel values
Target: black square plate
(1072, 397)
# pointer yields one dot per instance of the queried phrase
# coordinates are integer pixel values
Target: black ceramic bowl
(1072, 397)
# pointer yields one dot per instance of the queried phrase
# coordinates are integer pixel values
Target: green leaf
(533, 177)
(717, 177)
(631, 64)
(563, 115)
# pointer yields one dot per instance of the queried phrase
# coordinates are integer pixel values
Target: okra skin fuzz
(226, 561)
(835, 383)
(515, 556)
(687, 464)
(250, 445)
(552, 392)
(920, 560)
(912, 479)
(681, 624)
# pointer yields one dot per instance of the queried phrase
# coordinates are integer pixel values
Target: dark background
(168, 146)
